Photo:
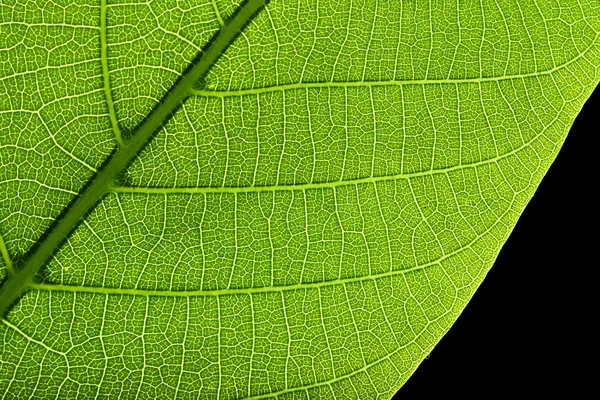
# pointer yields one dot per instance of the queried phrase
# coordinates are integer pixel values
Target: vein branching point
(101, 182)
(301, 211)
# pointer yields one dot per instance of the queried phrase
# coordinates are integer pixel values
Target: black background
(528, 329)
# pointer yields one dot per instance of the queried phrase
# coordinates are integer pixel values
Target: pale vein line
(364, 84)
(365, 367)
(46, 68)
(353, 373)
(32, 340)
(46, 25)
(218, 14)
(103, 346)
(264, 289)
(58, 145)
(107, 90)
(16, 370)
(324, 185)
(6, 256)
(41, 184)
(219, 385)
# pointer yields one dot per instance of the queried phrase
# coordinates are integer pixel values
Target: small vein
(217, 13)
(60, 147)
(105, 75)
(32, 340)
(16, 285)
(320, 185)
(265, 289)
(364, 84)
(6, 256)
(41, 184)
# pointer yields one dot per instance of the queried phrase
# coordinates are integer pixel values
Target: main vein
(101, 182)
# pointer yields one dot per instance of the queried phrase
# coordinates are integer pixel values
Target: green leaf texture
(202, 199)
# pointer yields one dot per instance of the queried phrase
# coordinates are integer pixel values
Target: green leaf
(206, 199)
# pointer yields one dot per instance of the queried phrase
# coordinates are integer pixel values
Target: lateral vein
(323, 185)
(367, 84)
(6, 256)
(105, 75)
(218, 13)
(263, 289)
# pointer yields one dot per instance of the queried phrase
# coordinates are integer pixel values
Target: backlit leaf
(201, 199)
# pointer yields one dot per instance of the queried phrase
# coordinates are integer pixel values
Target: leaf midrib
(101, 182)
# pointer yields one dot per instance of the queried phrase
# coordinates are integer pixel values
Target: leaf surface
(208, 200)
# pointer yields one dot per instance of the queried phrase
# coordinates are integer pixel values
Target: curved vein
(325, 185)
(99, 184)
(352, 373)
(366, 84)
(32, 340)
(6, 256)
(265, 289)
(218, 13)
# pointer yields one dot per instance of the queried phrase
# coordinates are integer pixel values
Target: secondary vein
(6, 256)
(51, 287)
(386, 83)
(101, 182)
(327, 184)
(218, 13)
